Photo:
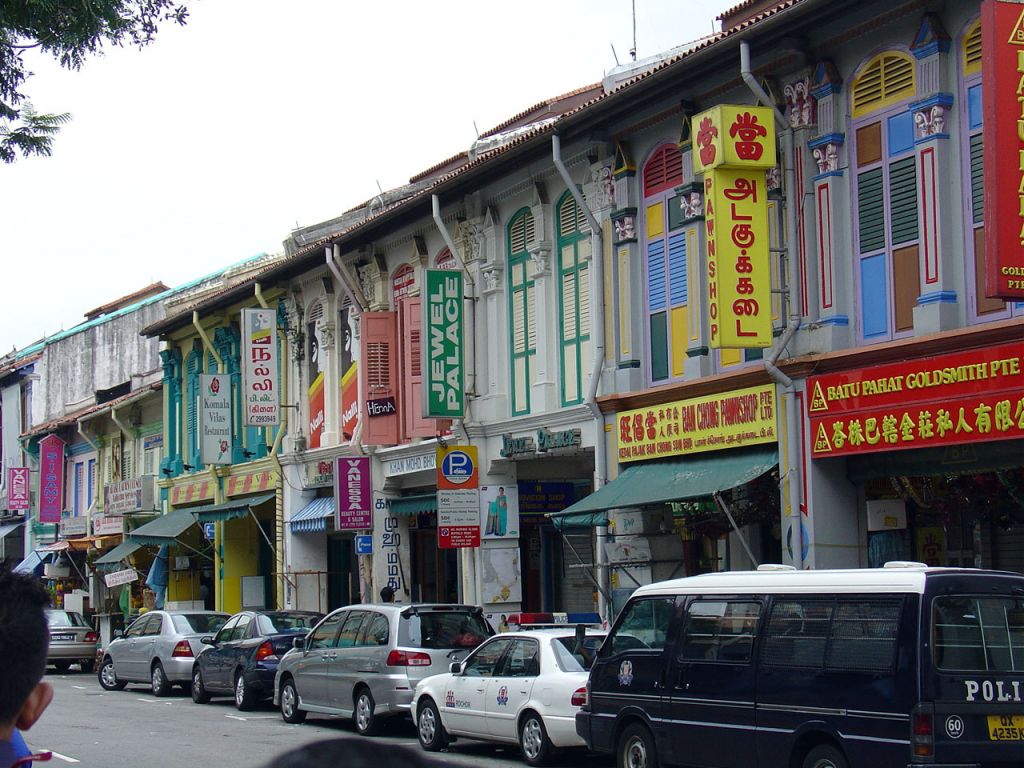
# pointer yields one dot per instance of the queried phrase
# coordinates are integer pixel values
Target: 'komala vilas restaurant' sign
(970, 396)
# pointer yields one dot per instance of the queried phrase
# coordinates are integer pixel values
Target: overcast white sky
(212, 144)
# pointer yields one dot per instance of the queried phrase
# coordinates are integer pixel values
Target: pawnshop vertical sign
(1002, 73)
(352, 492)
(51, 479)
(734, 146)
(443, 393)
(260, 380)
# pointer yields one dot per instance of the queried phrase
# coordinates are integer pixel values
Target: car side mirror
(207, 640)
(299, 642)
(455, 668)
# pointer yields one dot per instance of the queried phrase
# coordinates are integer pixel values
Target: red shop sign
(971, 396)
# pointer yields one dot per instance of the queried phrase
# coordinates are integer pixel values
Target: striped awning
(313, 517)
(218, 513)
(408, 506)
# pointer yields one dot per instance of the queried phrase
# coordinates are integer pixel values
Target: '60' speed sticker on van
(954, 726)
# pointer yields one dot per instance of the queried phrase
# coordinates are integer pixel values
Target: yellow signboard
(734, 136)
(709, 423)
(739, 268)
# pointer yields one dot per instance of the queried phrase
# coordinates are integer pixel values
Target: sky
(213, 143)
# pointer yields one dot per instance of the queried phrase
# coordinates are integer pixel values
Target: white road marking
(59, 756)
(236, 717)
(79, 687)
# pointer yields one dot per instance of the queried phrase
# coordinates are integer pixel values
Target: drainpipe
(597, 337)
(793, 300)
(471, 559)
(340, 272)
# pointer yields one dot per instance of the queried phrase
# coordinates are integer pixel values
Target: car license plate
(62, 637)
(1006, 727)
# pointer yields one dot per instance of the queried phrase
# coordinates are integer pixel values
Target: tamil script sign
(1002, 66)
(51, 479)
(442, 338)
(965, 397)
(260, 377)
(18, 494)
(709, 423)
(215, 418)
(352, 490)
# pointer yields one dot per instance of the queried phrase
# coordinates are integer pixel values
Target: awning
(218, 513)
(659, 482)
(34, 563)
(312, 518)
(57, 546)
(164, 529)
(408, 506)
(6, 529)
(113, 559)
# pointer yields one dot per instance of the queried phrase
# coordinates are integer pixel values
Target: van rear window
(975, 634)
(443, 629)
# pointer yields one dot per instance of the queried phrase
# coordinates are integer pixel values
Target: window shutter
(871, 210)
(656, 275)
(972, 50)
(903, 200)
(977, 180)
(127, 457)
(886, 80)
(413, 422)
(663, 170)
(677, 278)
(378, 370)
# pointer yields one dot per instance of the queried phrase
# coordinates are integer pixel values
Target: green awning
(164, 529)
(112, 559)
(408, 506)
(659, 482)
(218, 513)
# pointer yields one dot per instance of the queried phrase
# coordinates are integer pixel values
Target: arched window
(885, 195)
(445, 260)
(522, 310)
(665, 263)
(574, 249)
(402, 282)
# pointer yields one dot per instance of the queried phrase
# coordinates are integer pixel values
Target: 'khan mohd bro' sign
(443, 393)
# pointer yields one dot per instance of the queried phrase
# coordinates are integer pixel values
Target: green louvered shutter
(977, 181)
(903, 197)
(871, 210)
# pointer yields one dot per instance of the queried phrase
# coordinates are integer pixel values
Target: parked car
(518, 687)
(72, 640)
(363, 661)
(160, 648)
(243, 656)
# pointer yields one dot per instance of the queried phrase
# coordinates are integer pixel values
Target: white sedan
(517, 687)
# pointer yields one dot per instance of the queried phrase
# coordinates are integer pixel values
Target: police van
(898, 666)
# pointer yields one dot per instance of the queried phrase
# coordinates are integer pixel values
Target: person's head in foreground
(351, 753)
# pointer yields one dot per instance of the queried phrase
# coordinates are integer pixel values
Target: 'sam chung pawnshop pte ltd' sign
(260, 379)
(1002, 64)
(733, 147)
(51, 479)
(443, 393)
(353, 493)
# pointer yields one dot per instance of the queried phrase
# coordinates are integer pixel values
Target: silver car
(72, 640)
(364, 661)
(158, 648)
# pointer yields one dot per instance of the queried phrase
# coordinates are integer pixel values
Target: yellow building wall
(240, 542)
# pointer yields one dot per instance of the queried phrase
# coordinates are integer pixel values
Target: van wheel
(367, 723)
(825, 756)
(290, 711)
(636, 748)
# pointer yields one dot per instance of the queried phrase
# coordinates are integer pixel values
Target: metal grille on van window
(863, 636)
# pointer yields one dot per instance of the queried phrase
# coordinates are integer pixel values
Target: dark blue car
(243, 655)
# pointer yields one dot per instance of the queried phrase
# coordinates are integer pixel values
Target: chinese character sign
(260, 378)
(443, 393)
(51, 479)
(734, 136)
(739, 269)
(215, 418)
(17, 488)
(1002, 66)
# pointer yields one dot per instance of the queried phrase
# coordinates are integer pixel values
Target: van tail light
(182, 650)
(265, 651)
(92, 637)
(579, 697)
(922, 731)
(408, 659)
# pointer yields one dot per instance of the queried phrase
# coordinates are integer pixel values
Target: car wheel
(199, 693)
(88, 666)
(367, 723)
(108, 676)
(62, 666)
(825, 756)
(290, 711)
(533, 740)
(158, 681)
(245, 697)
(432, 735)
(636, 748)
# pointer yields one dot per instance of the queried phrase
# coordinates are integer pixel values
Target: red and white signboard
(458, 497)
(17, 488)
(51, 479)
(1002, 68)
(260, 379)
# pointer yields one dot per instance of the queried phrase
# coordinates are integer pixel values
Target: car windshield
(443, 629)
(583, 658)
(65, 619)
(198, 623)
(276, 623)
